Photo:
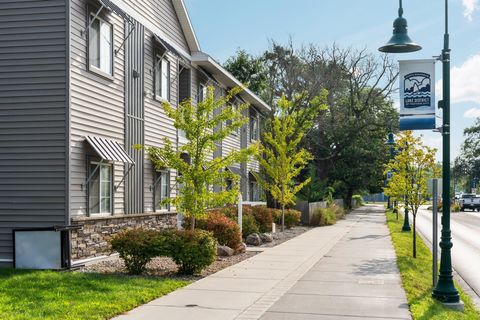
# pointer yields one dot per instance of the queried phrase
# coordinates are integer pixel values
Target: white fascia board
(186, 24)
(135, 15)
(204, 60)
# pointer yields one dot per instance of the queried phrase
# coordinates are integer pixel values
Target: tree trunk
(414, 214)
(192, 224)
(348, 199)
(283, 217)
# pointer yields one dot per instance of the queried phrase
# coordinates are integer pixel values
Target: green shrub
(263, 216)
(455, 207)
(323, 217)
(338, 211)
(137, 247)
(292, 217)
(249, 225)
(193, 250)
(224, 229)
(357, 200)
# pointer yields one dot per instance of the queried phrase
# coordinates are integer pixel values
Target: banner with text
(417, 94)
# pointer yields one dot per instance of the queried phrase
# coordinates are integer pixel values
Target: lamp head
(400, 42)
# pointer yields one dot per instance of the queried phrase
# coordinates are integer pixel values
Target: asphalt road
(465, 228)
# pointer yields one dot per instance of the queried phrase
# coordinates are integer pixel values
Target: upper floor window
(162, 78)
(100, 44)
(202, 92)
(254, 127)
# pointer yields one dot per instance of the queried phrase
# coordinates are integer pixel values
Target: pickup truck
(470, 201)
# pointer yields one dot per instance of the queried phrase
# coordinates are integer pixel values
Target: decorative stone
(242, 248)
(253, 240)
(266, 237)
(225, 251)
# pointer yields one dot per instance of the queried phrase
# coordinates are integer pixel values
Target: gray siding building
(82, 82)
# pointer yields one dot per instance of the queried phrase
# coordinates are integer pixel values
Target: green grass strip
(75, 295)
(417, 277)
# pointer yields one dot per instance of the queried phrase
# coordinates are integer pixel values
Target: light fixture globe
(400, 42)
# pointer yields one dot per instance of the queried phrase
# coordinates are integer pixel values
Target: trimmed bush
(137, 247)
(224, 229)
(323, 217)
(193, 250)
(455, 207)
(292, 217)
(264, 218)
(249, 225)
(357, 200)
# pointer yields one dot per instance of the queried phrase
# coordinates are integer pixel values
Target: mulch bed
(165, 267)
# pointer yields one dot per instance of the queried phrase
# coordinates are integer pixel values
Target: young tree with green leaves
(281, 158)
(412, 166)
(205, 123)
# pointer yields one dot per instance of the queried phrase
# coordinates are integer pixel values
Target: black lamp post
(390, 143)
(400, 42)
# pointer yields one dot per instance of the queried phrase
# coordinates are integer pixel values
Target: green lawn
(417, 277)
(74, 295)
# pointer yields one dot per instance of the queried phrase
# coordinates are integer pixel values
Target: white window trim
(158, 70)
(169, 191)
(257, 134)
(93, 68)
(97, 214)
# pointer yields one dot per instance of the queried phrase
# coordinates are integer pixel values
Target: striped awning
(113, 7)
(235, 170)
(168, 47)
(109, 150)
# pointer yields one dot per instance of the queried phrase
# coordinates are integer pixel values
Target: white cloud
(469, 8)
(465, 82)
(472, 113)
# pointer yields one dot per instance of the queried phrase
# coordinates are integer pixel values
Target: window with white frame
(161, 189)
(202, 92)
(100, 46)
(162, 78)
(254, 127)
(254, 191)
(100, 188)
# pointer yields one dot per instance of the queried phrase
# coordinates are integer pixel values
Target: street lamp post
(445, 290)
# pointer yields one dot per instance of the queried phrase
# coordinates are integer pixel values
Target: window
(202, 92)
(254, 130)
(100, 46)
(100, 188)
(254, 191)
(161, 189)
(162, 78)
(229, 122)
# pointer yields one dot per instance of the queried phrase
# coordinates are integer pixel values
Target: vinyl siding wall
(33, 115)
(97, 106)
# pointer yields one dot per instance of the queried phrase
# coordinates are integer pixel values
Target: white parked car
(470, 201)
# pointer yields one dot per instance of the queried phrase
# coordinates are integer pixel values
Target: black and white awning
(114, 8)
(109, 150)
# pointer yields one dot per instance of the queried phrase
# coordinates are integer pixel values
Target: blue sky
(222, 26)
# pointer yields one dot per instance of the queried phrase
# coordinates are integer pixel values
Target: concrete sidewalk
(345, 271)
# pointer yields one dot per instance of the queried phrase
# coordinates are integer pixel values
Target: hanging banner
(417, 94)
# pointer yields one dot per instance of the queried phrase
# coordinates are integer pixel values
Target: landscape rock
(253, 239)
(266, 237)
(225, 251)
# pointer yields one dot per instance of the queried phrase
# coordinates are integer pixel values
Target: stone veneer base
(91, 240)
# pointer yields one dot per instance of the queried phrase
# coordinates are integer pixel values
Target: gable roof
(205, 61)
(186, 25)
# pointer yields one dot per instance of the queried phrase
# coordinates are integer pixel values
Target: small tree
(205, 124)
(281, 158)
(412, 166)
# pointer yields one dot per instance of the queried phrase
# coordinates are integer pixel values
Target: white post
(239, 211)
